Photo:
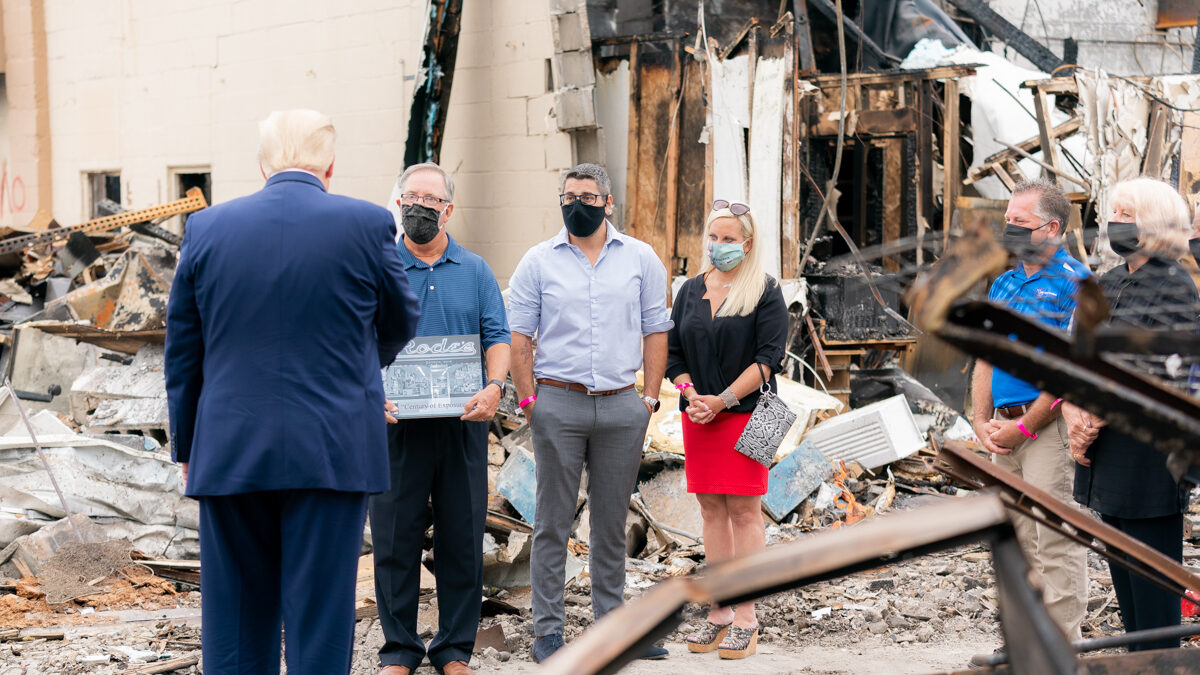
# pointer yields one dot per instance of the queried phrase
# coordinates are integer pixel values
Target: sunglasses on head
(736, 208)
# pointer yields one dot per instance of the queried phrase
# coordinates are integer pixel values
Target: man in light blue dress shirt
(596, 301)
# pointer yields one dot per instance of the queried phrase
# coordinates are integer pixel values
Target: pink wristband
(684, 385)
(527, 401)
(1056, 402)
(1021, 426)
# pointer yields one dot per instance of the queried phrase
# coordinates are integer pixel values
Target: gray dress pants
(572, 430)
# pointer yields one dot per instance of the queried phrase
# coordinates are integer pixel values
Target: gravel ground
(922, 615)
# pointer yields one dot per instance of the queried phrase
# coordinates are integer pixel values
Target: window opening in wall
(186, 179)
(102, 185)
(549, 76)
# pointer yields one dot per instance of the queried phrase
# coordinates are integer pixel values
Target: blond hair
(1160, 212)
(295, 139)
(749, 282)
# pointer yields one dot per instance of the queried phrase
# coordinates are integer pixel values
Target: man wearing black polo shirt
(1013, 419)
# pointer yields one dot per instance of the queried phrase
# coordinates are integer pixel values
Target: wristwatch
(498, 383)
(653, 402)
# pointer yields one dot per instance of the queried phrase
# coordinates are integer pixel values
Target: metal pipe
(1111, 641)
(1137, 637)
(41, 455)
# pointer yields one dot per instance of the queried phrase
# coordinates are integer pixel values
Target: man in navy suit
(285, 306)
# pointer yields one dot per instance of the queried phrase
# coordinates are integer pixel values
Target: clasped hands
(703, 409)
(1082, 429)
(999, 436)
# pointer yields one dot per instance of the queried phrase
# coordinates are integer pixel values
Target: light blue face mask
(726, 256)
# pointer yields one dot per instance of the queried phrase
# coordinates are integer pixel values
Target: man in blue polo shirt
(1016, 421)
(443, 458)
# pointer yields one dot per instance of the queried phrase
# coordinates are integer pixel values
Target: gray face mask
(421, 223)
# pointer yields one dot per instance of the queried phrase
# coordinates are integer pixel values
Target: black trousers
(443, 460)
(274, 560)
(1144, 605)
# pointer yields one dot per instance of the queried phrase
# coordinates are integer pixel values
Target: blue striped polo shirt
(1047, 296)
(458, 295)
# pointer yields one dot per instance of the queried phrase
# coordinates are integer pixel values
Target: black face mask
(582, 220)
(1123, 238)
(421, 223)
(1019, 240)
(1194, 245)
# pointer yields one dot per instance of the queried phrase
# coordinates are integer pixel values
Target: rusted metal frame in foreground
(1127, 399)
(957, 460)
(620, 636)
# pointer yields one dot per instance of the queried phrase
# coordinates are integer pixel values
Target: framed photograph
(434, 376)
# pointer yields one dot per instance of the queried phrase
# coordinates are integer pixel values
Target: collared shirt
(458, 295)
(1048, 296)
(297, 170)
(589, 320)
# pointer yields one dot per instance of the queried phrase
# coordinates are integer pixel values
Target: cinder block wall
(502, 143)
(147, 86)
(1117, 35)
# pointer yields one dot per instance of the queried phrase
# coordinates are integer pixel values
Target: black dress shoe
(654, 653)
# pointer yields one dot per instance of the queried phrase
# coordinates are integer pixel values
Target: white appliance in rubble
(873, 435)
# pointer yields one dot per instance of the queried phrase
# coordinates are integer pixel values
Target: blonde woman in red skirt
(729, 321)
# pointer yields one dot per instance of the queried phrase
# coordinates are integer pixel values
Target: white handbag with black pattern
(767, 426)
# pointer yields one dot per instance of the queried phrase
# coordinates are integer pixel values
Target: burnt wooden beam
(1036, 52)
(804, 46)
(950, 156)
(431, 98)
(897, 122)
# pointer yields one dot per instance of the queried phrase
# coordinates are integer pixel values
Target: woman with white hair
(729, 339)
(1125, 480)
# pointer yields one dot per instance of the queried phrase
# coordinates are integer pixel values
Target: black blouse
(1128, 478)
(715, 351)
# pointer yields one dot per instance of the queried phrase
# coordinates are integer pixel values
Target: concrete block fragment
(575, 108)
(570, 32)
(574, 69)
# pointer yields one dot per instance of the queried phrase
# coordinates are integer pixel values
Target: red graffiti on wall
(12, 191)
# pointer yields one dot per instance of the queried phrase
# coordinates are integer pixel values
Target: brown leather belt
(1013, 412)
(575, 386)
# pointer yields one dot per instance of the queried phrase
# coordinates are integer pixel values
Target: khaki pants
(1059, 564)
